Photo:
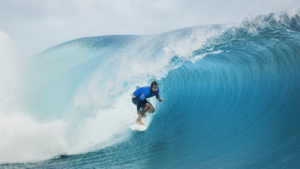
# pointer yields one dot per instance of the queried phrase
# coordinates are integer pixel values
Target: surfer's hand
(161, 100)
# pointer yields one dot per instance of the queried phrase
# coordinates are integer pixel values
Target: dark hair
(153, 84)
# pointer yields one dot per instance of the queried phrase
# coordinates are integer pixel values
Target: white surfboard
(137, 127)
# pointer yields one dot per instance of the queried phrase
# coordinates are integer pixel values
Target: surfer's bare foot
(139, 122)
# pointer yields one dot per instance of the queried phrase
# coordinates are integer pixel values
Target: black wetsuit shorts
(135, 101)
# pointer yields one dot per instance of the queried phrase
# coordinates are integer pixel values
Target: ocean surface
(231, 100)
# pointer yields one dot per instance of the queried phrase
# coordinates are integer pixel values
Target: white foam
(8, 70)
(24, 139)
(198, 57)
(198, 39)
(104, 128)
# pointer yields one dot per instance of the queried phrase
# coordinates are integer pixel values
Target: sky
(33, 26)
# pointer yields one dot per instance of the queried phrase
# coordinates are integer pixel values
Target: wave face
(231, 98)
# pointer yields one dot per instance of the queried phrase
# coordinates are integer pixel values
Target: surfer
(139, 98)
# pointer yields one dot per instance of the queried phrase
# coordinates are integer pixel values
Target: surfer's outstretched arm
(158, 97)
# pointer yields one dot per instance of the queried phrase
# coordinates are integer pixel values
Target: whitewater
(231, 99)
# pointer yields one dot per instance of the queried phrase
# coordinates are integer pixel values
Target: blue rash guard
(145, 92)
(142, 94)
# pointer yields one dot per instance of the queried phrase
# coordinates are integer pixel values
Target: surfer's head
(154, 87)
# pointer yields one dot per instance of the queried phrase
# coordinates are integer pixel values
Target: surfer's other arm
(158, 97)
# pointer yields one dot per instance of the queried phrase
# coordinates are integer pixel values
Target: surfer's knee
(147, 105)
(152, 109)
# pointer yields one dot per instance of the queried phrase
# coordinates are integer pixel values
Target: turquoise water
(231, 98)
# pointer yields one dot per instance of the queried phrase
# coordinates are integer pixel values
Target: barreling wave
(231, 98)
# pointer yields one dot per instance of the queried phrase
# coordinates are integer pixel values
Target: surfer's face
(154, 88)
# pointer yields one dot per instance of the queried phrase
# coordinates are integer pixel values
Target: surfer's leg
(147, 105)
(140, 115)
(151, 109)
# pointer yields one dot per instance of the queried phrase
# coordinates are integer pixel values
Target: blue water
(237, 106)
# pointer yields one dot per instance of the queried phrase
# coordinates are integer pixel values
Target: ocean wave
(231, 97)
